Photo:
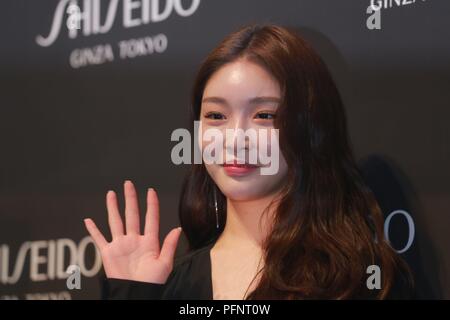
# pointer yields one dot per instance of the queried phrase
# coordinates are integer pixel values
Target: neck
(247, 224)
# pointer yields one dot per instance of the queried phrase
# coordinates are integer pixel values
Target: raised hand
(132, 255)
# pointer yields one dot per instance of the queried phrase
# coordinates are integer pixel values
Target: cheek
(269, 152)
(212, 171)
(283, 166)
(211, 140)
(267, 139)
(200, 142)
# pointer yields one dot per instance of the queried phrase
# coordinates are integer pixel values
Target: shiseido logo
(87, 20)
(48, 260)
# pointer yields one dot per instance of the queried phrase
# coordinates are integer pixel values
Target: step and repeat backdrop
(90, 92)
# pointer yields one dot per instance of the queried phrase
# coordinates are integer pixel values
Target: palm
(132, 257)
(135, 256)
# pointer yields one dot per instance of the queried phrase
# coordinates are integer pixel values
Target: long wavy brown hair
(328, 227)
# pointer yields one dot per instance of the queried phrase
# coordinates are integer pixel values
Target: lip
(238, 170)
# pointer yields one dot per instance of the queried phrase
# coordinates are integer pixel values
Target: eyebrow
(255, 100)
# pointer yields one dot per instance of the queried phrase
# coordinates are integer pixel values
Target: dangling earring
(217, 209)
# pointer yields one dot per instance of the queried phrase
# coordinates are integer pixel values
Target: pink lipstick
(235, 169)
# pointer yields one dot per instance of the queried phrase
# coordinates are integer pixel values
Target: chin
(242, 190)
(246, 195)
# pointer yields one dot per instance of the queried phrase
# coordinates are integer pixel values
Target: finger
(131, 208)
(114, 219)
(96, 235)
(170, 245)
(152, 215)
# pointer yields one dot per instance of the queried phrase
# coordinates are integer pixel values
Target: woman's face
(243, 95)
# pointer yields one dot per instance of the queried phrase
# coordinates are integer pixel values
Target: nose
(236, 141)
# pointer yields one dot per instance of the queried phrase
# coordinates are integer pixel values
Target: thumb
(170, 245)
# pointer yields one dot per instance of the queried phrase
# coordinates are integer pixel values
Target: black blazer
(191, 279)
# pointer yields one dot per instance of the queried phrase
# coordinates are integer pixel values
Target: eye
(266, 115)
(214, 116)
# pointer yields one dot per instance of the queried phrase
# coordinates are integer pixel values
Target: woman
(309, 231)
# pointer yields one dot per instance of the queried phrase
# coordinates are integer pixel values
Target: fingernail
(151, 189)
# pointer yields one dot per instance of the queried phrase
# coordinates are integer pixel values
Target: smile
(239, 169)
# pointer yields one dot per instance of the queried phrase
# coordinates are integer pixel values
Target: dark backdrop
(70, 132)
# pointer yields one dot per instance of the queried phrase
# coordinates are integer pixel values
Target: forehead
(241, 80)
